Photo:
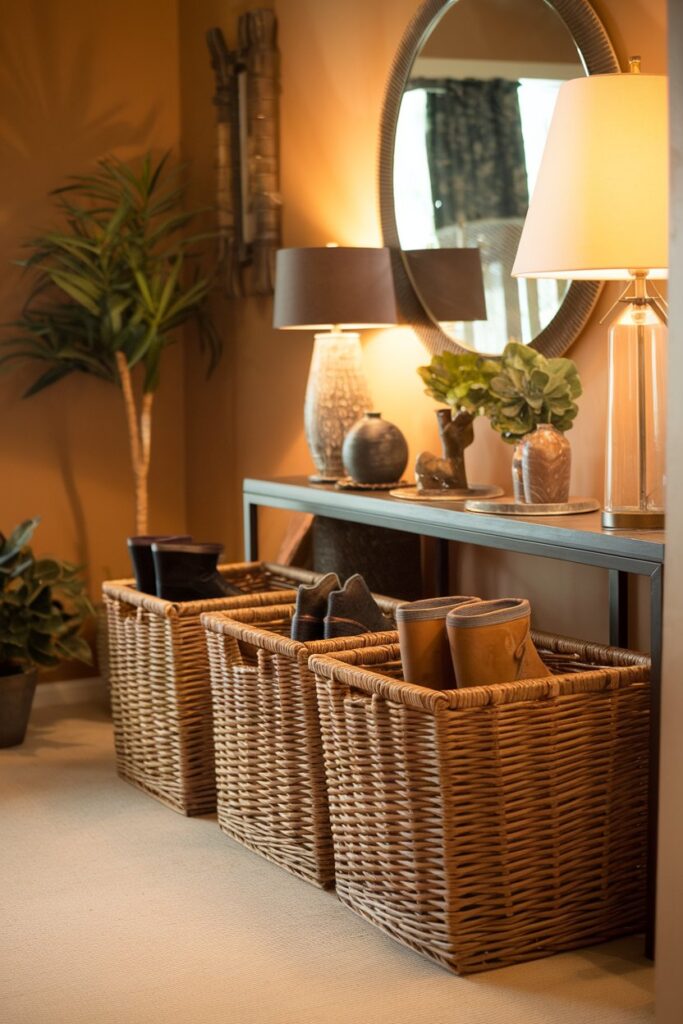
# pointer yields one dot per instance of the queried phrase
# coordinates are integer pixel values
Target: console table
(579, 539)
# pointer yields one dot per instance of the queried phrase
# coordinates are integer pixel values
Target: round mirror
(466, 115)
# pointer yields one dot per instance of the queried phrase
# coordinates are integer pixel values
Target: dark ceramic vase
(16, 699)
(546, 466)
(374, 451)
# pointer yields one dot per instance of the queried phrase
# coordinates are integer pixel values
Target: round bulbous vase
(546, 466)
(374, 451)
(16, 700)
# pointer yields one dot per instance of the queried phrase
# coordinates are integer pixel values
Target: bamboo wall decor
(247, 160)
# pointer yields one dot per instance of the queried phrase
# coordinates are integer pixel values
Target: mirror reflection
(470, 135)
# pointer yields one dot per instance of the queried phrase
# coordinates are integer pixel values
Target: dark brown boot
(308, 622)
(353, 610)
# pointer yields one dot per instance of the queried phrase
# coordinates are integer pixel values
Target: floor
(116, 910)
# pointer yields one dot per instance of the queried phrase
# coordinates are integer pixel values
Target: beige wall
(80, 79)
(335, 62)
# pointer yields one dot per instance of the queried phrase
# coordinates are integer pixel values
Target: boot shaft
(353, 610)
(140, 551)
(425, 652)
(308, 621)
(491, 643)
(189, 572)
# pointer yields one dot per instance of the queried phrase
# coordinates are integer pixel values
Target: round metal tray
(505, 507)
(475, 491)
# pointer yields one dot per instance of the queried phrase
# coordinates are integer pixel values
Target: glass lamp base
(632, 520)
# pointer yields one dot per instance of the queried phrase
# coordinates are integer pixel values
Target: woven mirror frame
(598, 56)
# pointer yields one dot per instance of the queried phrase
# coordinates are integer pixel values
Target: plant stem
(140, 439)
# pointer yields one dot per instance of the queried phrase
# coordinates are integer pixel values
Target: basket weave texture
(490, 825)
(159, 682)
(269, 762)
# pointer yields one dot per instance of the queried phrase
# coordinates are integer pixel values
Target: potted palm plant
(42, 610)
(113, 286)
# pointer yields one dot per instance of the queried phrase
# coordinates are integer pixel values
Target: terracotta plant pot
(16, 699)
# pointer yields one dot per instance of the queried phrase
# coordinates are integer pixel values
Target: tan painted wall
(335, 62)
(80, 79)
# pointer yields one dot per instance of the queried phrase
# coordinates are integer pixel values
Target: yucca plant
(42, 607)
(113, 286)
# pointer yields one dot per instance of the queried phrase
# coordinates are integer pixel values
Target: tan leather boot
(425, 654)
(491, 642)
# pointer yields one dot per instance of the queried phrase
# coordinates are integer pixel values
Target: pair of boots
(464, 641)
(175, 568)
(326, 610)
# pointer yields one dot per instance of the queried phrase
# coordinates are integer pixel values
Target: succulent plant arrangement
(530, 389)
(516, 391)
(460, 381)
(42, 607)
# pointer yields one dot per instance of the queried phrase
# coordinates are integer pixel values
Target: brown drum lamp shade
(333, 286)
(325, 289)
(449, 282)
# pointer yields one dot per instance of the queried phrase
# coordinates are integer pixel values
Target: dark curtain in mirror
(476, 149)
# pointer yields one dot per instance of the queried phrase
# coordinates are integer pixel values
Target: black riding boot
(189, 572)
(140, 551)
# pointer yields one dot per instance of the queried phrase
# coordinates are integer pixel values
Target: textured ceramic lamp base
(337, 396)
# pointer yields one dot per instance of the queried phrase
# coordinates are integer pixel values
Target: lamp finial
(634, 65)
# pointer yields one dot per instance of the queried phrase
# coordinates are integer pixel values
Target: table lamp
(327, 289)
(600, 212)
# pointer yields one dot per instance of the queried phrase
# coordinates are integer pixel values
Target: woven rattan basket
(495, 824)
(159, 681)
(269, 764)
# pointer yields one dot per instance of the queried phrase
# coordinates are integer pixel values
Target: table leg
(618, 608)
(442, 568)
(250, 513)
(656, 608)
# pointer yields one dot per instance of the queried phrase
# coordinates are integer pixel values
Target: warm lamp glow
(599, 210)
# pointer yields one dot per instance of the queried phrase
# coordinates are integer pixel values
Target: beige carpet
(116, 909)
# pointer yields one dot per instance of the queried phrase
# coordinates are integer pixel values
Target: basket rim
(355, 669)
(125, 589)
(243, 624)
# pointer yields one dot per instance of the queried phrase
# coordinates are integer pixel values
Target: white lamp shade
(599, 210)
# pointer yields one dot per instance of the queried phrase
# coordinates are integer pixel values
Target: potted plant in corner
(114, 285)
(42, 609)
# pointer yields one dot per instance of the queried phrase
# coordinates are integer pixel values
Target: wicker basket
(159, 680)
(269, 764)
(491, 825)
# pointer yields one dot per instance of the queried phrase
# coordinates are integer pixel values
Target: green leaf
(48, 378)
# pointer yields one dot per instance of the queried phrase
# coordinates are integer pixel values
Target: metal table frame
(578, 539)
